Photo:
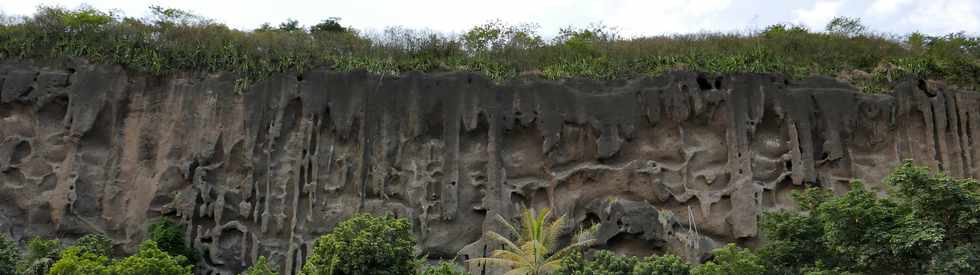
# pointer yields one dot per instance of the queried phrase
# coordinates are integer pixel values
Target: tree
(662, 265)
(171, 17)
(364, 244)
(607, 263)
(330, 25)
(41, 253)
(603, 262)
(496, 35)
(9, 256)
(151, 260)
(291, 25)
(730, 260)
(443, 268)
(535, 251)
(929, 224)
(849, 26)
(77, 261)
(98, 244)
(261, 267)
(169, 237)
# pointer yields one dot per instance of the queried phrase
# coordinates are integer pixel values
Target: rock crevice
(669, 164)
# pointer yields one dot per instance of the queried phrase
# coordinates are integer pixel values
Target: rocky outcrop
(680, 163)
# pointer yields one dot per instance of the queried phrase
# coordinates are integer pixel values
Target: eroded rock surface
(679, 163)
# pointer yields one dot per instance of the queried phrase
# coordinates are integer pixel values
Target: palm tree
(535, 251)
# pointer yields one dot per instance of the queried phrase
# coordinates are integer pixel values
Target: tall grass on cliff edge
(172, 40)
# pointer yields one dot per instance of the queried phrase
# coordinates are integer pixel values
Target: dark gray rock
(671, 164)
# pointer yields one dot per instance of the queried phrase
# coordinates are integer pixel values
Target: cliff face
(679, 163)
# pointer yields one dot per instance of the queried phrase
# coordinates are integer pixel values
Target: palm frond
(509, 244)
(507, 224)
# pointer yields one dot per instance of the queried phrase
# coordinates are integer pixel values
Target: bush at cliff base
(8, 255)
(928, 224)
(365, 244)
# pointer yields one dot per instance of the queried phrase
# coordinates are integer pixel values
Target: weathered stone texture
(680, 163)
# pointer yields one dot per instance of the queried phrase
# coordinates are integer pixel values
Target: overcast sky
(630, 17)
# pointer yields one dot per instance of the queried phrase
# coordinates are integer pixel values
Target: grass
(174, 40)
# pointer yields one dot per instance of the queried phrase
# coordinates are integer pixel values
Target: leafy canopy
(443, 268)
(41, 253)
(261, 267)
(76, 261)
(604, 262)
(169, 237)
(9, 256)
(930, 224)
(150, 260)
(97, 244)
(364, 244)
(731, 259)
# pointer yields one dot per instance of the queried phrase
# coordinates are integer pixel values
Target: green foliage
(41, 253)
(261, 267)
(607, 263)
(330, 25)
(169, 237)
(291, 25)
(9, 256)
(97, 244)
(443, 268)
(929, 224)
(534, 249)
(603, 262)
(663, 265)
(151, 260)
(364, 244)
(175, 40)
(76, 261)
(846, 26)
(730, 260)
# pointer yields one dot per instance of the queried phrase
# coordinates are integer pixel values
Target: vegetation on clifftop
(175, 40)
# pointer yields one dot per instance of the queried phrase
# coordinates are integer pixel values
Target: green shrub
(76, 261)
(41, 253)
(97, 244)
(172, 40)
(261, 267)
(151, 260)
(605, 262)
(927, 225)
(443, 268)
(364, 244)
(846, 26)
(731, 260)
(169, 237)
(662, 265)
(9, 256)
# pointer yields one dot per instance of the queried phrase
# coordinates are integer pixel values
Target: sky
(628, 17)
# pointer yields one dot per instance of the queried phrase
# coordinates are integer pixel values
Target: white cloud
(946, 16)
(886, 7)
(817, 16)
(935, 17)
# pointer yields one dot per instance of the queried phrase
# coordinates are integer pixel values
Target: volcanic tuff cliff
(678, 163)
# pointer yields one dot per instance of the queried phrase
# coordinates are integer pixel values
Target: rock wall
(680, 163)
